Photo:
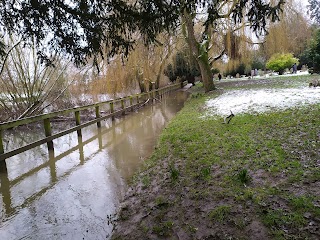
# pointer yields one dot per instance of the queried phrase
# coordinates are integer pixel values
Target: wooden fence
(124, 104)
(9, 209)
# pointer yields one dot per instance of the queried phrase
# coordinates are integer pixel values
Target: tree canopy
(82, 29)
(221, 17)
(314, 10)
(312, 53)
(93, 28)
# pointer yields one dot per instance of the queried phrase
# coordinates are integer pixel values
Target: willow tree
(137, 71)
(148, 62)
(241, 12)
(85, 28)
(291, 34)
(314, 10)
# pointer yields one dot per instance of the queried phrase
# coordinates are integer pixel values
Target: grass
(174, 173)
(163, 229)
(252, 143)
(279, 218)
(220, 213)
(274, 82)
(243, 176)
(261, 166)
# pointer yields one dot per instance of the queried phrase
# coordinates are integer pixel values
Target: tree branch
(7, 55)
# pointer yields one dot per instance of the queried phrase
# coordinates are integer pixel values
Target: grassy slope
(257, 177)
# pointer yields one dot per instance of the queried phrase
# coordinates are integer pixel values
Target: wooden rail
(7, 184)
(134, 101)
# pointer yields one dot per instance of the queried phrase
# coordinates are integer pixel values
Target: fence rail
(133, 100)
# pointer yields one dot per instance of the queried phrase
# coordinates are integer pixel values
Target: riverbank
(255, 178)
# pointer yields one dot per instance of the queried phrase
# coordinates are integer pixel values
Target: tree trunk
(202, 59)
(159, 73)
(206, 75)
(163, 63)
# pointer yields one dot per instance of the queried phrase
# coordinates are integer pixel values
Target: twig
(228, 118)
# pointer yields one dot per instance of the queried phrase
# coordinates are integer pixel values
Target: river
(74, 192)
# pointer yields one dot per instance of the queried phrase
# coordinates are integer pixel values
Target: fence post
(3, 165)
(131, 103)
(138, 99)
(48, 132)
(52, 166)
(112, 110)
(98, 116)
(77, 117)
(149, 91)
(1, 143)
(122, 106)
(100, 138)
(81, 153)
(153, 86)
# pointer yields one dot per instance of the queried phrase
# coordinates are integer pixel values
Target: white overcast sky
(303, 2)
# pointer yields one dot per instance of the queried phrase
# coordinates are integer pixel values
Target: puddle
(259, 101)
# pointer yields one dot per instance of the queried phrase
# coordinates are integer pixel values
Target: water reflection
(70, 192)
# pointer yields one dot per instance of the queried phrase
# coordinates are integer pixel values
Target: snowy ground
(258, 101)
(299, 73)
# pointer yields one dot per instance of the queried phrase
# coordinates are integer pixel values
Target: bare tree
(27, 84)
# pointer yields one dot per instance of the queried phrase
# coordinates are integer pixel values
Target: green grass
(279, 218)
(174, 172)
(250, 143)
(220, 213)
(163, 229)
(260, 162)
(146, 181)
(243, 176)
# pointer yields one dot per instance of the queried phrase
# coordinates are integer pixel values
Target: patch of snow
(259, 101)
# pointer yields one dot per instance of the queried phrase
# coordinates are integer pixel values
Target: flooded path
(73, 192)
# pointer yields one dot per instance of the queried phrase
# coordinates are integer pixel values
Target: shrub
(215, 71)
(238, 69)
(182, 68)
(258, 64)
(279, 62)
(169, 72)
(311, 56)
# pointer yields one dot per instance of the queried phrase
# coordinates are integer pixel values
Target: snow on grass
(259, 101)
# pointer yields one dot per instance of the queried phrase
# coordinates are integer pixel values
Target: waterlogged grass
(225, 180)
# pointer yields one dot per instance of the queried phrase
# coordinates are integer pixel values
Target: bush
(215, 71)
(311, 56)
(279, 62)
(257, 64)
(169, 72)
(241, 69)
(182, 68)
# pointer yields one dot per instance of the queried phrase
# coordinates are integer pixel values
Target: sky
(304, 2)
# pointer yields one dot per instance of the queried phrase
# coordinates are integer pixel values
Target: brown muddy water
(73, 192)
